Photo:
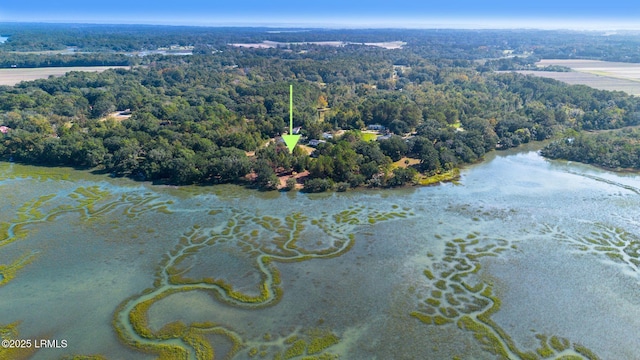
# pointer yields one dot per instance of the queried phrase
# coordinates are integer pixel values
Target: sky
(545, 14)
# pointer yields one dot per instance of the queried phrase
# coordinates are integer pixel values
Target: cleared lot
(13, 76)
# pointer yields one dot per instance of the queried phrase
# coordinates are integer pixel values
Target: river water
(522, 255)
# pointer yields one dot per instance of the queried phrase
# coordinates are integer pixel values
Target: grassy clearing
(369, 136)
(307, 149)
(405, 162)
(456, 125)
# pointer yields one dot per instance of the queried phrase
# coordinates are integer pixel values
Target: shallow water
(523, 255)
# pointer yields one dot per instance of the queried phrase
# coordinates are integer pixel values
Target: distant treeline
(11, 60)
(432, 44)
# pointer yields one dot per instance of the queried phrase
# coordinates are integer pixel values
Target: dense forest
(216, 116)
(618, 149)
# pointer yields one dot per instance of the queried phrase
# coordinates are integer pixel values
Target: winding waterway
(522, 258)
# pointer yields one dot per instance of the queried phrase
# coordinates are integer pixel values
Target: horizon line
(458, 24)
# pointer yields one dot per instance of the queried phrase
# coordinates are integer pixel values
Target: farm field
(14, 76)
(603, 75)
(595, 81)
(619, 70)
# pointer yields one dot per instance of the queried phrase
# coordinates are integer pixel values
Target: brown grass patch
(402, 163)
(307, 149)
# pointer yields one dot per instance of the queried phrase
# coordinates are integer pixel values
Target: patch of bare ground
(117, 116)
(389, 45)
(300, 178)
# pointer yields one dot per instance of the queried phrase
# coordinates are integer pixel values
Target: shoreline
(420, 180)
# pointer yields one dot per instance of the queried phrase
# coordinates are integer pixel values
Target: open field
(390, 45)
(14, 76)
(618, 70)
(592, 80)
(603, 75)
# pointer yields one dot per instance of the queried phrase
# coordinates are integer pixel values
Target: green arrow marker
(291, 140)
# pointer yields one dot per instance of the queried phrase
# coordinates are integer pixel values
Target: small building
(315, 142)
(4, 129)
(384, 137)
(296, 130)
(327, 135)
(376, 127)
